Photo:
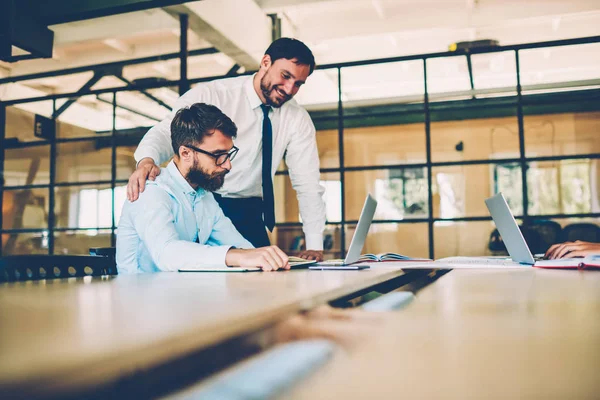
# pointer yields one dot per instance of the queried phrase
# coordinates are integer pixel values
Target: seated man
(572, 249)
(176, 222)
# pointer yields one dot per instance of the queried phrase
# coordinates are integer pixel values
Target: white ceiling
(336, 31)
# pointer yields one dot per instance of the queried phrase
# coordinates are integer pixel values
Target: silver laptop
(358, 240)
(509, 230)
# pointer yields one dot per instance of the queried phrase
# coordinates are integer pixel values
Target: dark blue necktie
(267, 180)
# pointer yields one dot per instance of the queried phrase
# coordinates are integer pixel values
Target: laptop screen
(362, 228)
(509, 229)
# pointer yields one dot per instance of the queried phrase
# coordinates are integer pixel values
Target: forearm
(312, 211)
(183, 254)
(233, 258)
(303, 163)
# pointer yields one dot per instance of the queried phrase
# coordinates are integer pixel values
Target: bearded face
(273, 93)
(209, 182)
(281, 80)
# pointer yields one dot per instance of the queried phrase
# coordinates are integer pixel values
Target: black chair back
(581, 231)
(549, 233)
(532, 238)
(36, 267)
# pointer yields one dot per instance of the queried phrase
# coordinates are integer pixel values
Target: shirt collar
(253, 98)
(180, 181)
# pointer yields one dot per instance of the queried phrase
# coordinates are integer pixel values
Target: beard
(271, 94)
(209, 182)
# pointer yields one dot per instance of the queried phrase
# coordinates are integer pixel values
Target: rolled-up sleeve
(302, 159)
(153, 219)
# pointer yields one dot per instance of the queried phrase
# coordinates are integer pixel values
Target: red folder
(592, 262)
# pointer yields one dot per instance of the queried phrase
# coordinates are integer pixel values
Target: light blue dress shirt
(173, 226)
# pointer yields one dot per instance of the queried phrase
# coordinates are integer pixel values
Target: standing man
(271, 126)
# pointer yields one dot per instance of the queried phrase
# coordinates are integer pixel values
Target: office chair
(533, 239)
(548, 231)
(581, 231)
(496, 244)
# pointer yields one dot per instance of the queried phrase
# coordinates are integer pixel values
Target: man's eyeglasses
(220, 158)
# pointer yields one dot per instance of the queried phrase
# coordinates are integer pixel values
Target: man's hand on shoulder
(146, 169)
(270, 258)
(316, 255)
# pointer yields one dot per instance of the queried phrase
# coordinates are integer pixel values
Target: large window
(429, 136)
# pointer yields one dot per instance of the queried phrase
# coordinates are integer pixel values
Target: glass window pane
(291, 240)
(25, 209)
(164, 69)
(384, 145)
(208, 65)
(400, 82)
(143, 108)
(329, 150)
(446, 75)
(410, 239)
(562, 134)
(332, 196)
(453, 238)
(563, 187)
(83, 161)
(20, 120)
(286, 201)
(551, 65)
(125, 162)
(24, 243)
(460, 191)
(27, 166)
(320, 92)
(167, 95)
(477, 136)
(87, 206)
(327, 146)
(85, 117)
(79, 242)
(400, 193)
(49, 85)
(495, 71)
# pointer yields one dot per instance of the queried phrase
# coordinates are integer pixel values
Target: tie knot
(265, 109)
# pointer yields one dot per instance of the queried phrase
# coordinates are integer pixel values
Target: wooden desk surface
(475, 334)
(78, 332)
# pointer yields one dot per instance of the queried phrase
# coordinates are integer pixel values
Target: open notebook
(388, 257)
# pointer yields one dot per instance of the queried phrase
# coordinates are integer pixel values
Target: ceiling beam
(18, 28)
(104, 28)
(237, 28)
(59, 12)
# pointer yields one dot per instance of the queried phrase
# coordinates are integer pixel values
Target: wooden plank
(478, 334)
(63, 335)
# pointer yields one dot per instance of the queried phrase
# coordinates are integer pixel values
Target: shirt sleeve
(152, 217)
(156, 143)
(224, 232)
(302, 159)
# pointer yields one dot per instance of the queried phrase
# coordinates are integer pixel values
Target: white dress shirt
(293, 138)
(174, 226)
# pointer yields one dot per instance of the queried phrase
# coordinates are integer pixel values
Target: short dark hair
(289, 49)
(191, 124)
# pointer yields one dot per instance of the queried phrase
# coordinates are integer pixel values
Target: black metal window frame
(425, 108)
